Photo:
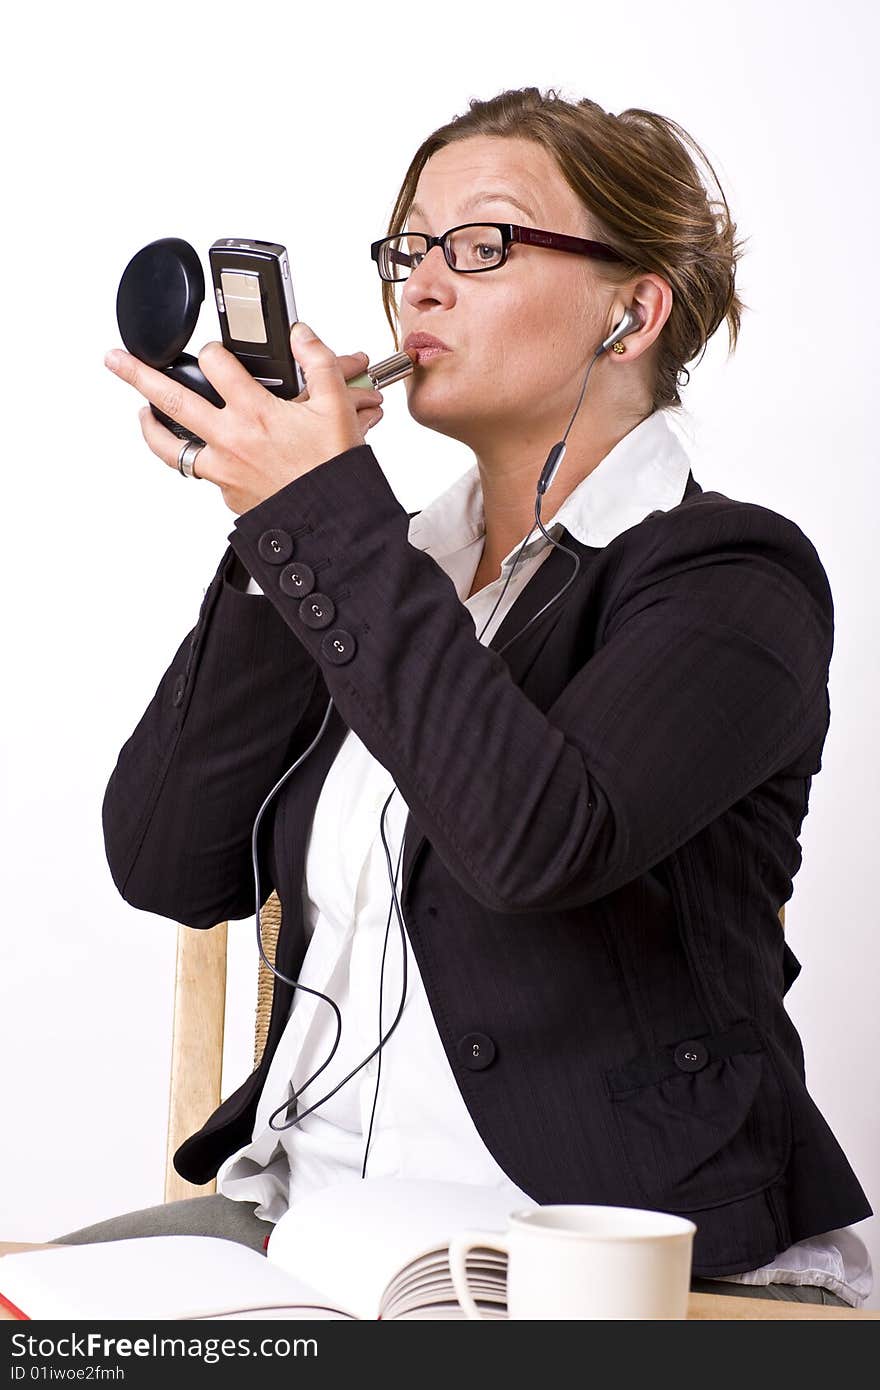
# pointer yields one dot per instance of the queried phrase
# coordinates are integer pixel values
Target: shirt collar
(646, 471)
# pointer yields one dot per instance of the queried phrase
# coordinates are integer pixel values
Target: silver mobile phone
(254, 294)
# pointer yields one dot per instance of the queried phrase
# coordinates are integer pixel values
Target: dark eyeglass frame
(510, 233)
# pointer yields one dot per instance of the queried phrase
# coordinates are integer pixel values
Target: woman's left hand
(257, 443)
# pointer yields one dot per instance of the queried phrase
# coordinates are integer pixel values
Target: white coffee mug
(586, 1262)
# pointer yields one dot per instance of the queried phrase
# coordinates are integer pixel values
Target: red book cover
(16, 1312)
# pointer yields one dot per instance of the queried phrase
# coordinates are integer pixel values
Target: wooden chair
(197, 1039)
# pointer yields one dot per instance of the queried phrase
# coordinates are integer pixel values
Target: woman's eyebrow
(484, 198)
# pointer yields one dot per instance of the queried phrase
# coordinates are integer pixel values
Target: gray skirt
(213, 1215)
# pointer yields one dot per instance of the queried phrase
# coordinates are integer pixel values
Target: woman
(601, 741)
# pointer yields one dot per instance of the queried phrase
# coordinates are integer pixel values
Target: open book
(371, 1248)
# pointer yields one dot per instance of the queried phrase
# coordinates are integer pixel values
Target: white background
(125, 124)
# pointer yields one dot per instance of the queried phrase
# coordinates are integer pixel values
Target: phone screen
(244, 306)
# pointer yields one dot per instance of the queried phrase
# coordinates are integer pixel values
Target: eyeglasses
(474, 247)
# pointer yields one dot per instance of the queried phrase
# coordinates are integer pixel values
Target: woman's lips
(423, 347)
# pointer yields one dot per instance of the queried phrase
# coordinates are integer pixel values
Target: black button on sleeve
(338, 646)
(317, 610)
(179, 688)
(297, 580)
(476, 1051)
(275, 546)
(691, 1056)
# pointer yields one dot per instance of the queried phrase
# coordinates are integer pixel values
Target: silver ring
(187, 457)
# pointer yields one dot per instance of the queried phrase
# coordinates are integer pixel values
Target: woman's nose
(431, 279)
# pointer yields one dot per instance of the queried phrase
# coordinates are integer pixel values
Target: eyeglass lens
(468, 249)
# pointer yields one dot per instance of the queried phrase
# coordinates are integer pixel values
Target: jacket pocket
(703, 1121)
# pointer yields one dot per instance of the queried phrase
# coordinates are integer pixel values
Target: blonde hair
(636, 177)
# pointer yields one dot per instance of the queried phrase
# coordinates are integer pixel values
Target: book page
(427, 1284)
(350, 1239)
(149, 1277)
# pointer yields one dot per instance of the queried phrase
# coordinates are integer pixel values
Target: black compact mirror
(157, 307)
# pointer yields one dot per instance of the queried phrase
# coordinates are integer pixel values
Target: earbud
(631, 320)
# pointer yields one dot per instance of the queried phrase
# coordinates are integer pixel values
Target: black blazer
(603, 824)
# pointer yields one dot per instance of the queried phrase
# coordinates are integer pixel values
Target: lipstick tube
(384, 373)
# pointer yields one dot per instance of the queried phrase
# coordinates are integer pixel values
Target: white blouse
(422, 1127)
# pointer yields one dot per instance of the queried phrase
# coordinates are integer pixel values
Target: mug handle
(460, 1247)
